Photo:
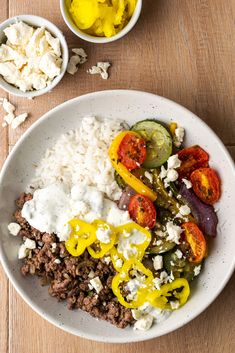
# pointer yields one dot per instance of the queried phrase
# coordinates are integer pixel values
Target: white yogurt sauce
(53, 206)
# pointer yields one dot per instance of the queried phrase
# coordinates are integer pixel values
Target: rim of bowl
(92, 39)
(37, 21)
(36, 307)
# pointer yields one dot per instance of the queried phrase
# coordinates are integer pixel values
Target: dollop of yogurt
(54, 206)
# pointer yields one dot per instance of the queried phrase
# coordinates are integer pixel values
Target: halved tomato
(132, 151)
(196, 240)
(206, 185)
(192, 158)
(142, 211)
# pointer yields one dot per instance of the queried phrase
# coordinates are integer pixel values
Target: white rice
(81, 156)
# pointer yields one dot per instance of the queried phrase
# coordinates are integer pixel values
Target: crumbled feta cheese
(144, 323)
(53, 246)
(173, 162)
(172, 175)
(136, 314)
(107, 260)
(158, 262)
(101, 68)
(149, 176)
(81, 53)
(14, 228)
(174, 304)
(54, 43)
(50, 64)
(91, 274)
(157, 282)
(22, 252)
(184, 210)
(163, 172)
(7, 106)
(163, 276)
(18, 33)
(158, 242)
(9, 118)
(34, 61)
(76, 60)
(30, 244)
(19, 120)
(187, 183)
(174, 232)
(179, 254)
(65, 232)
(127, 240)
(57, 261)
(119, 263)
(96, 284)
(197, 270)
(179, 136)
(103, 234)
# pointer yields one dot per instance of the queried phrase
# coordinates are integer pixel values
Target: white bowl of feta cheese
(33, 55)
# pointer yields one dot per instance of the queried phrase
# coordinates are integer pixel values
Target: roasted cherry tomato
(206, 185)
(132, 151)
(142, 211)
(192, 158)
(196, 240)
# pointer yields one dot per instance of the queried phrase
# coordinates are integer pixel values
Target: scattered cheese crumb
(187, 183)
(174, 232)
(79, 58)
(101, 69)
(91, 274)
(197, 270)
(23, 251)
(30, 244)
(179, 253)
(179, 136)
(149, 176)
(158, 262)
(107, 260)
(175, 305)
(96, 284)
(19, 120)
(144, 323)
(184, 210)
(173, 162)
(14, 228)
(57, 261)
(7, 106)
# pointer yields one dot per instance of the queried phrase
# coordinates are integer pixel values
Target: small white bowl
(35, 21)
(68, 20)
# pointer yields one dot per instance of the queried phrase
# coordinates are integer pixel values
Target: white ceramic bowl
(133, 106)
(68, 20)
(35, 21)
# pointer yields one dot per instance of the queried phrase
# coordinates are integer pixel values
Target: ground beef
(68, 276)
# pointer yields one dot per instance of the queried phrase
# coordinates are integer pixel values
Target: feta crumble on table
(31, 58)
(100, 69)
(14, 228)
(96, 284)
(79, 58)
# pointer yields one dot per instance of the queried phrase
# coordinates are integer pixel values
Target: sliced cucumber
(158, 141)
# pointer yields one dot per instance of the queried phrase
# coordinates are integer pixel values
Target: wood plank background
(181, 49)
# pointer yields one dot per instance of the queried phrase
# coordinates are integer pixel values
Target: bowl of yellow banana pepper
(100, 21)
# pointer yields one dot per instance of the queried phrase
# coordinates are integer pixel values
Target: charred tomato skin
(132, 151)
(196, 241)
(206, 185)
(191, 159)
(142, 211)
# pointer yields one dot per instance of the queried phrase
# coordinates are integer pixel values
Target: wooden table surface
(180, 49)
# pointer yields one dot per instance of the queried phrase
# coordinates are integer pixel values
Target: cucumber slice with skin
(158, 142)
